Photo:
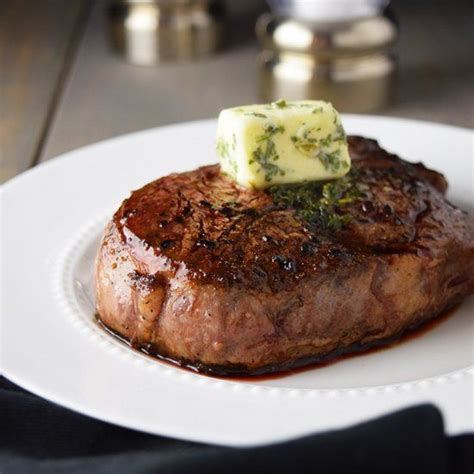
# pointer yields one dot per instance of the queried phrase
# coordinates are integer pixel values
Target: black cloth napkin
(37, 436)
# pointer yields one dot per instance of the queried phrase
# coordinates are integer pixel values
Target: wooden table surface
(61, 87)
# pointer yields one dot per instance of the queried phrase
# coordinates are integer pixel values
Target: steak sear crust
(199, 270)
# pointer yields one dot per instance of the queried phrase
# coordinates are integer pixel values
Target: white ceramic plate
(52, 218)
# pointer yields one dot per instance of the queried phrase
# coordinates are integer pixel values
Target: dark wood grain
(36, 39)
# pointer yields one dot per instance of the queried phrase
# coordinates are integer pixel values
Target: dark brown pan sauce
(298, 366)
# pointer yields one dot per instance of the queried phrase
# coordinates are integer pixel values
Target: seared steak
(229, 280)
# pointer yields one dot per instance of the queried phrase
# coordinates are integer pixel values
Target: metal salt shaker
(342, 51)
(148, 32)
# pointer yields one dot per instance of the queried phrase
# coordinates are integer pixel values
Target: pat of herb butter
(282, 142)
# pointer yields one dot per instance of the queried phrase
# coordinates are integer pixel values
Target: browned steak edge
(283, 369)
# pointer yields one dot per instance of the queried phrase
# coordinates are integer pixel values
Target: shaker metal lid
(327, 10)
(326, 40)
(170, 3)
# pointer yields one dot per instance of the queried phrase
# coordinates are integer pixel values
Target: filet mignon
(228, 280)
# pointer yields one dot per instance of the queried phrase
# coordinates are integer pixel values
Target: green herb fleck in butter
(282, 142)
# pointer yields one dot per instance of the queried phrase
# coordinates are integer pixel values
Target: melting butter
(282, 142)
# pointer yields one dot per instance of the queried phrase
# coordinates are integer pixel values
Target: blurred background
(78, 71)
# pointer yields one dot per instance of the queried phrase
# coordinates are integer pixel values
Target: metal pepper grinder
(148, 32)
(342, 51)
